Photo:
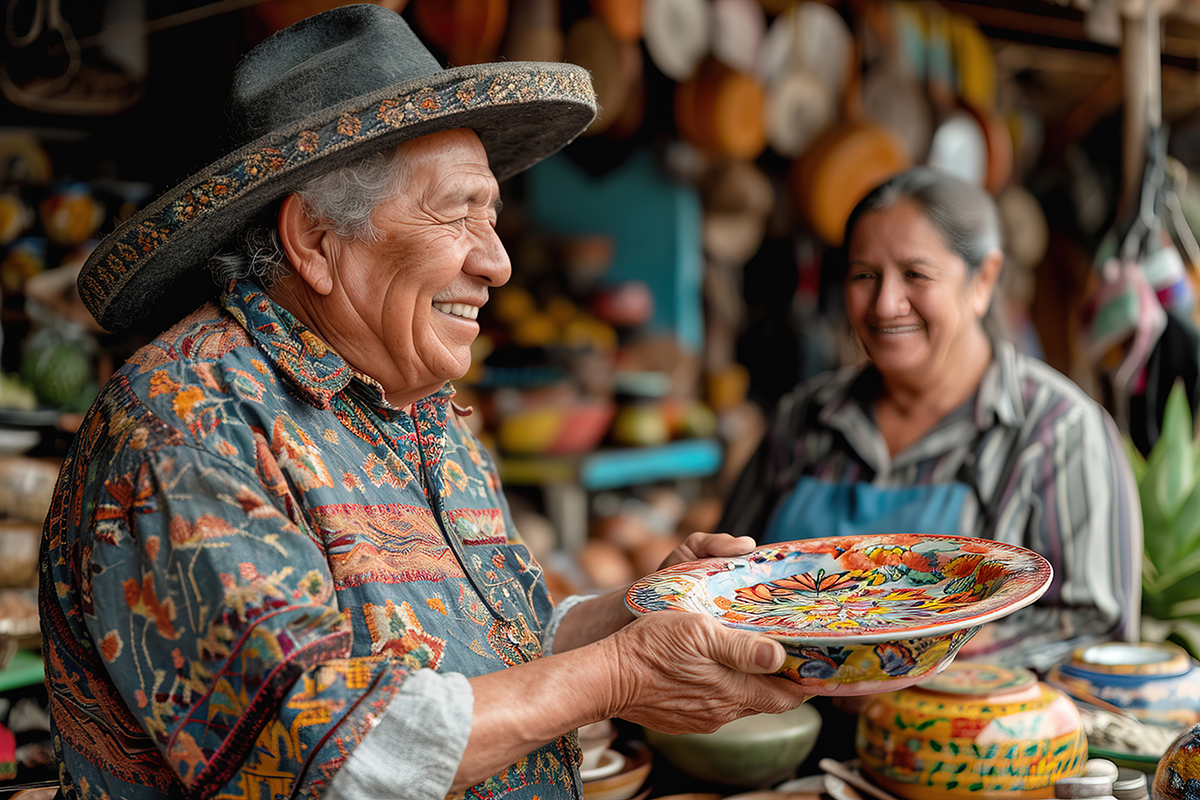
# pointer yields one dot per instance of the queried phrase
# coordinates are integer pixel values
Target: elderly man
(277, 562)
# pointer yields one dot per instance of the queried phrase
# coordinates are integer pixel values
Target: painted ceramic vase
(1178, 774)
(1157, 683)
(857, 615)
(973, 731)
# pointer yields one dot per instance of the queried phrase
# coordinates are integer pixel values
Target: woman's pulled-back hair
(344, 200)
(964, 214)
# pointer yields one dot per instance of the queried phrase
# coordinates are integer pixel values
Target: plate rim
(1043, 570)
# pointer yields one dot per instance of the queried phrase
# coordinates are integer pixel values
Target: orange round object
(468, 31)
(623, 17)
(837, 170)
(721, 111)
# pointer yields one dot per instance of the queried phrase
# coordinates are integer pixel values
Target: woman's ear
(984, 284)
(306, 245)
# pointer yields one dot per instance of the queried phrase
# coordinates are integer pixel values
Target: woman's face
(909, 297)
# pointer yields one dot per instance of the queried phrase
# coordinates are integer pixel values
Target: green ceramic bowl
(755, 751)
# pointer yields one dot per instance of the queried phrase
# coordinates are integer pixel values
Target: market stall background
(675, 269)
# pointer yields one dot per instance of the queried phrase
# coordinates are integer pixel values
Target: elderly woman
(277, 563)
(945, 430)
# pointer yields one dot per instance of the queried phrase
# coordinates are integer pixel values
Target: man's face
(413, 295)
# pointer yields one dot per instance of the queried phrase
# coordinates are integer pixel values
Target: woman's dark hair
(964, 214)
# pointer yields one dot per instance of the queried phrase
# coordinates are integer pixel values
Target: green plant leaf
(1176, 475)
(1185, 531)
(1137, 462)
(1186, 568)
(1156, 534)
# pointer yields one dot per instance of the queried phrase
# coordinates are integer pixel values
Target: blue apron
(817, 508)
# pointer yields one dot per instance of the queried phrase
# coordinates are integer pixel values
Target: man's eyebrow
(498, 205)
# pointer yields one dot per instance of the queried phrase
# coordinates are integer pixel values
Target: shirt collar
(999, 399)
(847, 399)
(314, 369)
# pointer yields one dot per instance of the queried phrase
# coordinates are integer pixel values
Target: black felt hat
(313, 97)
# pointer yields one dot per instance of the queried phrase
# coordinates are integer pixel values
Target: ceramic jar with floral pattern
(973, 731)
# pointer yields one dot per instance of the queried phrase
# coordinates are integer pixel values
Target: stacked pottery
(975, 730)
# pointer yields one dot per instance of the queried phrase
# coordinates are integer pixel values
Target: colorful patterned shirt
(1046, 470)
(252, 562)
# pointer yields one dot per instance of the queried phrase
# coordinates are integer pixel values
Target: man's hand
(682, 672)
(708, 545)
(601, 616)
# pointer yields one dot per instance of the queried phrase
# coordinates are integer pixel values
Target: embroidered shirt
(1047, 470)
(252, 562)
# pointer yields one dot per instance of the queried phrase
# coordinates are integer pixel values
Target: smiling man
(278, 564)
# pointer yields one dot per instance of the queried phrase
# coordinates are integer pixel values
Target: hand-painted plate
(853, 589)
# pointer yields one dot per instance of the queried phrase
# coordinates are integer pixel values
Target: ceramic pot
(1157, 683)
(1178, 773)
(755, 751)
(975, 730)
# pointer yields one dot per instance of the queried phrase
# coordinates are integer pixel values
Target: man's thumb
(748, 652)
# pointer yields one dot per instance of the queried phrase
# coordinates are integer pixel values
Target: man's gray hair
(344, 201)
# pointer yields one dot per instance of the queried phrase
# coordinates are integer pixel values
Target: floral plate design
(856, 614)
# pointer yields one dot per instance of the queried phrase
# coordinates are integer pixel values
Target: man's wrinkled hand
(682, 672)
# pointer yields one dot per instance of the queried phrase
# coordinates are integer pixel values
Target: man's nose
(489, 260)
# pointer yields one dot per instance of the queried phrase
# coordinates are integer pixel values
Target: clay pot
(975, 730)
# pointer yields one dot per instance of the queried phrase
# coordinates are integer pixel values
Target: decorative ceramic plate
(853, 589)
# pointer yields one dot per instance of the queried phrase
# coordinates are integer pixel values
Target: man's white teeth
(458, 310)
(905, 329)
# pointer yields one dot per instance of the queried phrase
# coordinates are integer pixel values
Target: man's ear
(306, 245)
(984, 284)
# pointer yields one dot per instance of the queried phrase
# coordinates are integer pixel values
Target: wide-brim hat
(313, 97)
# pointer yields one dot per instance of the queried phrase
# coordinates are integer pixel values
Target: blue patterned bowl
(1156, 682)
(856, 614)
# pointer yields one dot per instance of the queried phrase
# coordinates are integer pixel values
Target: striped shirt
(1047, 469)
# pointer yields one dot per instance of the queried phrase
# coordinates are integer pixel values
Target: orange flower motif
(185, 400)
(349, 125)
(161, 383)
(143, 600)
(963, 566)
(184, 532)
(110, 645)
